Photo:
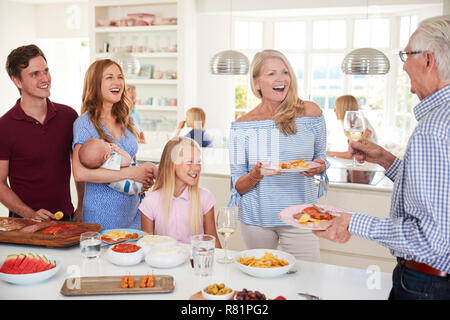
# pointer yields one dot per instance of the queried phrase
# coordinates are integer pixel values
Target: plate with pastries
(114, 236)
(291, 166)
(310, 216)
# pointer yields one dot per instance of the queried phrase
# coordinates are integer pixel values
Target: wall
(17, 28)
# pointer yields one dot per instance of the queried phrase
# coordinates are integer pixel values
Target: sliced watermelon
(19, 261)
(48, 264)
(39, 264)
(27, 265)
(8, 264)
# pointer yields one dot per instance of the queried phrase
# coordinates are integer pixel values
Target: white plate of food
(291, 166)
(152, 240)
(113, 236)
(306, 216)
(265, 263)
(28, 268)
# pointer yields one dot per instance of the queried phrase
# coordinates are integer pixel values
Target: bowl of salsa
(125, 254)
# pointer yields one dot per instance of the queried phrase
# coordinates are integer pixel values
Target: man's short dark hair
(20, 57)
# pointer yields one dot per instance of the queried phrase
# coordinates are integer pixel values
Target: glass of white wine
(354, 127)
(226, 224)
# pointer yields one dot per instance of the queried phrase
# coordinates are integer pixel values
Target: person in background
(105, 115)
(195, 119)
(177, 206)
(134, 114)
(349, 103)
(35, 144)
(417, 231)
(281, 128)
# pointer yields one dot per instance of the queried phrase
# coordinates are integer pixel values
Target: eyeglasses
(404, 55)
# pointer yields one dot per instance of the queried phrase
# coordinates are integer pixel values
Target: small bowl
(148, 241)
(125, 259)
(208, 296)
(166, 256)
(31, 278)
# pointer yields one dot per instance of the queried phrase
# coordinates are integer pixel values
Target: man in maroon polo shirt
(35, 144)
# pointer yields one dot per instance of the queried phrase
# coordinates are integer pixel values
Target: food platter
(288, 215)
(265, 272)
(65, 233)
(112, 285)
(278, 167)
(120, 235)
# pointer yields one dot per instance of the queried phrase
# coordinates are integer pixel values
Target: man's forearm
(12, 201)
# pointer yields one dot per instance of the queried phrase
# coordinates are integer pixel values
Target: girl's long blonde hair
(345, 103)
(92, 100)
(165, 182)
(292, 105)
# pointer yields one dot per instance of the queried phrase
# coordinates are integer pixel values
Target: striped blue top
(254, 141)
(419, 224)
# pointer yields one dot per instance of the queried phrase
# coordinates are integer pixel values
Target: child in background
(134, 113)
(177, 206)
(97, 153)
(195, 119)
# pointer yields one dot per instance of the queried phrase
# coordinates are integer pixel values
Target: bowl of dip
(166, 256)
(153, 240)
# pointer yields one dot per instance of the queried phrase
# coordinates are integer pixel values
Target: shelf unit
(161, 46)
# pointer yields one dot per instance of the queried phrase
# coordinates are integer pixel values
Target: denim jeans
(408, 284)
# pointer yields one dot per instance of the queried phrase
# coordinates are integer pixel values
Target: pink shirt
(178, 226)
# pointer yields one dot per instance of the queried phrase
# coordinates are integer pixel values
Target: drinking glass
(90, 244)
(354, 127)
(203, 254)
(226, 225)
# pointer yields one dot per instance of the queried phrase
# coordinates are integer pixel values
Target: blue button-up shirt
(419, 224)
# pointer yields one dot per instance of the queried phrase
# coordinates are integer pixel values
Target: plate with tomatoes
(114, 236)
(305, 216)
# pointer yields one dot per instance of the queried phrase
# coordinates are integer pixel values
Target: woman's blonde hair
(165, 182)
(345, 103)
(197, 116)
(92, 100)
(292, 105)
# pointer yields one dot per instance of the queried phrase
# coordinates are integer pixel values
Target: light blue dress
(101, 204)
(254, 141)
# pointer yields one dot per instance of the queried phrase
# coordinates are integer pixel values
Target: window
(315, 47)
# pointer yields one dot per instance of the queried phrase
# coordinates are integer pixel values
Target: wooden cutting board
(50, 241)
(111, 285)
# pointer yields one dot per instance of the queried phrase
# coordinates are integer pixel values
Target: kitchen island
(329, 282)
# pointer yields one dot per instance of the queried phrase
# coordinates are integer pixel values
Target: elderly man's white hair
(434, 35)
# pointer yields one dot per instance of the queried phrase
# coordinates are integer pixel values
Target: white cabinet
(154, 32)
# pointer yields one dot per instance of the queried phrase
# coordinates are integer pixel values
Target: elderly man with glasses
(418, 229)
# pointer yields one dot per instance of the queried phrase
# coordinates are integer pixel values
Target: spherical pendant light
(229, 62)
(365, 61)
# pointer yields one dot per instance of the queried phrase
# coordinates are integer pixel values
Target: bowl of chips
(264, 263)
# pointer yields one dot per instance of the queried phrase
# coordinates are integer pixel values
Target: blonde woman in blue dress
(281, 128)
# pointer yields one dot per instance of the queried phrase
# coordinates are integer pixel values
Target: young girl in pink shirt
(177, 206)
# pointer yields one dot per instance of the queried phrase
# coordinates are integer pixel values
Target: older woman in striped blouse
(281, 128)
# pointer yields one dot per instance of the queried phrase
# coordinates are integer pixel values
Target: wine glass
(226, 225)
(354, 127)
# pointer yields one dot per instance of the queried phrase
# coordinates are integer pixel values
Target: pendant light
(229, 62)
(129, 63)
(365, 61)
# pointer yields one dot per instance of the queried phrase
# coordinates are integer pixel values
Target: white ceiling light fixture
(129, 63)
(229, 62)
(365, 61)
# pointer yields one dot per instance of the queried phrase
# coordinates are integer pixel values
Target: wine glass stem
(225, 247)
(354, 160)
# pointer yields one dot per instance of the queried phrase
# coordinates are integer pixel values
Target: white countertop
(216, 164)
(326, 281)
